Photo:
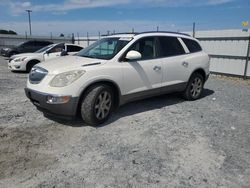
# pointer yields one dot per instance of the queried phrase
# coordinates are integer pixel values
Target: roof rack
(170, 32)
(138, 33)
(124, 33)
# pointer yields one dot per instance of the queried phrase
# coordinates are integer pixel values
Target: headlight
(66, 78)
(20, 59)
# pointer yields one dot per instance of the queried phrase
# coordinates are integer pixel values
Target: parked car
(28, 46)
(118, 69)
(25, 61)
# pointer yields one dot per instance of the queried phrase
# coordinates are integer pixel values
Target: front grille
(37, 74)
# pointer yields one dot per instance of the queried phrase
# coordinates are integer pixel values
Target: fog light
(57, 99)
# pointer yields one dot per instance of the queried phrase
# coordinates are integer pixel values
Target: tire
(30, 65)
(194, 88)
(97, 104)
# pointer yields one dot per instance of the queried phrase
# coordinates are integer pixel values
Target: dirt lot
(161, 142)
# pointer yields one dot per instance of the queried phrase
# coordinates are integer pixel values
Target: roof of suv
(148, 33)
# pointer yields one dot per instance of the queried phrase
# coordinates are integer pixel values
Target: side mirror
(133, 55)
(64, 53)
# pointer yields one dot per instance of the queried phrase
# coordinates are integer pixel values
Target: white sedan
(25, 61)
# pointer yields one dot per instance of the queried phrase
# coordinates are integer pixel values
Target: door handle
(157, 68)
(185, 64)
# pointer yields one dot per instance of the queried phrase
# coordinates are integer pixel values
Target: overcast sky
(82, 16)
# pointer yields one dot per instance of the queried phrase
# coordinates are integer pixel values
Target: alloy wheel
(196, 87)
(103, 105)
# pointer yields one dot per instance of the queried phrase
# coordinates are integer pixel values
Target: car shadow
(136, 107)
(19, 72)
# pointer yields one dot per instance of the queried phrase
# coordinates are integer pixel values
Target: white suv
(118, 69)
(25, 61)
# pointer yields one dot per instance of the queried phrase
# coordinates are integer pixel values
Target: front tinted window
(170, 46)
(192, 45)
(44, 49)
(57, 48)
(105, 48)
(146, 46)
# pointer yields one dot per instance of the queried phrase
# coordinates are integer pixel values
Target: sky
(93, 16)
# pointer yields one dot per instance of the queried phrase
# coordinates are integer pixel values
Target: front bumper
(4, 53)
(64, 111)
(16, 66)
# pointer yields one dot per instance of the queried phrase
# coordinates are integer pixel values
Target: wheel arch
(201, 71)
(111, 83)
(186, 92)
(32, 61)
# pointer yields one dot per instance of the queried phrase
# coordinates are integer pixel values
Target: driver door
(54, 52)
(144, 76)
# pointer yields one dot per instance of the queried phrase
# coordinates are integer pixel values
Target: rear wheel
(97, 104)
(194, 88)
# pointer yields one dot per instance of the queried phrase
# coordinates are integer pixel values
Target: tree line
(8, 32)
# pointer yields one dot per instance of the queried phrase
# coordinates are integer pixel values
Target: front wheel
(97, 104)
(30, 65)
(194, 88)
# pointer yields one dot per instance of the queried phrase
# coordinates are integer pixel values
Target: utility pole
(78, 38)
(29, 11)
(194, 29)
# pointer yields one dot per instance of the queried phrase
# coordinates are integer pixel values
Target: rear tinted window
(71, 48)
(170, 46)
(192, 45)
(41, 43)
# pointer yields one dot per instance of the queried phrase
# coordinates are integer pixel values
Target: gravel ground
(161, 142)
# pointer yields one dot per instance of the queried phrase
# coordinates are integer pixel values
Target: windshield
(20, 44)
(44, 48)
(105, 48)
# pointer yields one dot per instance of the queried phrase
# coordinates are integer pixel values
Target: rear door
(173, 55)
(144, 74)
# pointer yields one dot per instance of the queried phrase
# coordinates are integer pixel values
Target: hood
(68, 63)
(26, 55)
